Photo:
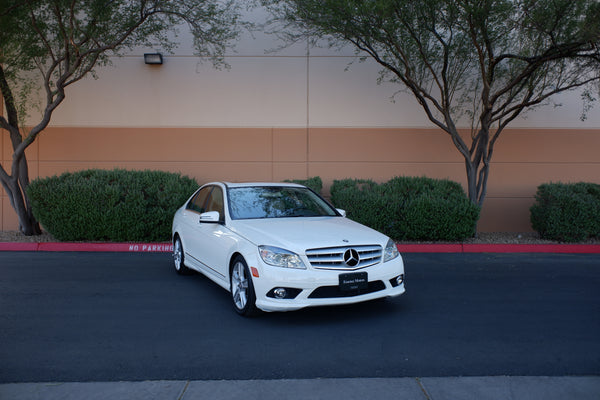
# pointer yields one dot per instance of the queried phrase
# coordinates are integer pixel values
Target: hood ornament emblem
(351, 257)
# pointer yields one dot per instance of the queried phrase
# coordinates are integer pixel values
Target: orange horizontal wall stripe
(524, 158)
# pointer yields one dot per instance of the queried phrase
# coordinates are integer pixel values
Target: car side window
(198, 202)
(215, 201)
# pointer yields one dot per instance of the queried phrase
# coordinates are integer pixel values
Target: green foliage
(512, 52)
(48, 45)
(66, 40)
(315, 183)
(409, 208)
(115, 205)
(481, 62)
(567, 212)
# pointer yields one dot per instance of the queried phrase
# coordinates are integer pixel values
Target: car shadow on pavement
(355, 313)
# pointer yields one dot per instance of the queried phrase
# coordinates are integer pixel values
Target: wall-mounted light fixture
(153, 58)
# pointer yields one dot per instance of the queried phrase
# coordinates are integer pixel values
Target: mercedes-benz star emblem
(351, 257)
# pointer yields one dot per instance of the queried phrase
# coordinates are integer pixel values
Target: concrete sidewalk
(464, 388)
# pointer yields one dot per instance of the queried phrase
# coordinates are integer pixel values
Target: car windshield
(276, 202)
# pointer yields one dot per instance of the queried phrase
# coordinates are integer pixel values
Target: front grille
(333, 257)
(328, 292)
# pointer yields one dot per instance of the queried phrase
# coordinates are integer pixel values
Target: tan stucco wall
(524, 158)
(293, 113)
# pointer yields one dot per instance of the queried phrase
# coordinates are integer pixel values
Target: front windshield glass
(276, 202)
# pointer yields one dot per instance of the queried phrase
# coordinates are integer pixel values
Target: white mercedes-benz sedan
(280, 247)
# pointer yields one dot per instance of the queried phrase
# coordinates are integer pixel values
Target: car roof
(260, 184)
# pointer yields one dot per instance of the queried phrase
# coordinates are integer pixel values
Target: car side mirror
(342, 212)
(210, 217)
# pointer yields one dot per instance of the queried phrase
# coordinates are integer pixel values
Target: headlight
(391, 251)
(280, 257)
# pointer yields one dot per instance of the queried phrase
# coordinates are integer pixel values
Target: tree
(473, 62)
(48, 45)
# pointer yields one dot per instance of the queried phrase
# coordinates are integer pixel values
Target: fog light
(283, 293)
(399, 279)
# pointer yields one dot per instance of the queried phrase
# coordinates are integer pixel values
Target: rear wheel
(242, 289)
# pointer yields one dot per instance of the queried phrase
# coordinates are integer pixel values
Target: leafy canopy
(55, 43)
(47, 45)
(477, 63)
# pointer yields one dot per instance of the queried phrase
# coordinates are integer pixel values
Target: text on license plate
(354, 281)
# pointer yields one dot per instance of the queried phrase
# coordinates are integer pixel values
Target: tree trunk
(15, 189)
(472, 181)
(16, 185)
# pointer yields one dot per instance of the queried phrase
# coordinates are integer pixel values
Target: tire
(178, 258)
(242, 289)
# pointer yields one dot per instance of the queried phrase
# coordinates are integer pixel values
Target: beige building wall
(293, 114)
(275, 154)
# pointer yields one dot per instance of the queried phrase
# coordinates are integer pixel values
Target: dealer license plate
(354, 281)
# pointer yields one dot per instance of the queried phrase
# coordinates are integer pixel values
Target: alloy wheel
(239, 286)
(178, 256)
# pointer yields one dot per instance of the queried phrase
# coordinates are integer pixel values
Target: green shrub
(315, 183)
(409, 208)
(363, 202)
(115, 205)
(567, 212)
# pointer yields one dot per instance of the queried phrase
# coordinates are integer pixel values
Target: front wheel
(242, 289)
(178, 258)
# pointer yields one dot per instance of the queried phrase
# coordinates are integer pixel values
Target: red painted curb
(500, 248)
(89, 247)
(18, 246)
(404, 248)
(430, 248)
(532, 248)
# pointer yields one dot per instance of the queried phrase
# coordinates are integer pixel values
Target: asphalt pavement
(505, 387)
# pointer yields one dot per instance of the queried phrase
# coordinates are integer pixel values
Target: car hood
(299, 234)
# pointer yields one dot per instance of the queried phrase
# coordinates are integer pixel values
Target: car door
(189, 225)
(212, 241)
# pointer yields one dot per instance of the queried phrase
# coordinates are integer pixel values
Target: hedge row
(315, 183)
(115, 205)
(567, 212)
(122, 205)
(409, 208)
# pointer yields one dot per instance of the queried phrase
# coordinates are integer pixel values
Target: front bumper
(318, 287)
